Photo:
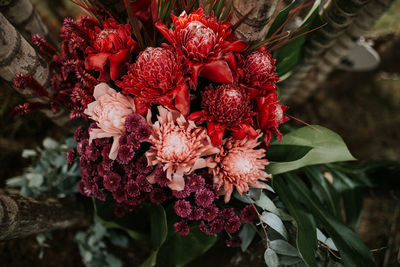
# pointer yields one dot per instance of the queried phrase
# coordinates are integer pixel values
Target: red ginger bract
(157, 77)
(226, 107)
(206, 42)
(110, 50)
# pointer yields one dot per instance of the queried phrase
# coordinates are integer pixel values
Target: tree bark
(24, 216)
(347, 22)
(18, 56)
(255, 26)
(24, 17)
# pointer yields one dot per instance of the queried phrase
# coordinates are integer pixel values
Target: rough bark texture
(254, 27)
(23, 216)
(18, 56)
(24, 17)
(347, 22)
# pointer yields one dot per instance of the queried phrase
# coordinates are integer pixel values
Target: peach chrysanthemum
(179, 146)
(240, 165)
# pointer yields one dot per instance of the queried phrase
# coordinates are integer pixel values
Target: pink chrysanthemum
(179, 146)
(239, 165)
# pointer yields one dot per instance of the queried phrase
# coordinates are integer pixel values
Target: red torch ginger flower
(205, 42)
(109, 112)
(270, 115)
(258, 71)
(179, 146)
(239, 165)
(110, 50)
(226, 107)
(157, 77)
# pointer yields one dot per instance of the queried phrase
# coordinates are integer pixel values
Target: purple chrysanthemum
(125, 154)
(133, 122)
(111, 181)
(195, 182)
(227, 213)
(182, 228)
(119, 195)
(217, 226)
(71, 154)
(210, 213)
(81, 147)
(182, 208)
(144, 185)
(92, 152)
(142, 166)
(160, 177)
(158, 196)
(132, 188)
(144, 132)
(196, 214)
(247, 214)
(233, 225)
(80, 134)
(204, 198)
(181, 194)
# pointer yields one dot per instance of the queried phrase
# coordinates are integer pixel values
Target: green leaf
(151, 260)
(275, 223)
(279, 20)
(351, 248)
(159, 228)
(327, 147)
(136, 223)
(247, 235)
(283, 247)
(306, 239)
(271, 259)
(324, 190)
(285, 153)
(291, 53)
(179, 250)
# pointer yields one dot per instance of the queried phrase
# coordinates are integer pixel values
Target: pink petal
(114, 148)
(102, 89)
(178, 183)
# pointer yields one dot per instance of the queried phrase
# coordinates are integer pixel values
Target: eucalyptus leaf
(275, 223)
(271, 259)
(282, 247)
(327, 147)
(247, 234)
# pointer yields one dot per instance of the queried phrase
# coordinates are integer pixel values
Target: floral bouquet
(180, 141)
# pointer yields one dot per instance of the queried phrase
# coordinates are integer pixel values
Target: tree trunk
(254, 27)
(347, 22)
(24, 17)
(23, 216)
(18, 56)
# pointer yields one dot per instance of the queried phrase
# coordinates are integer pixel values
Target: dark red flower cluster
(124, 178)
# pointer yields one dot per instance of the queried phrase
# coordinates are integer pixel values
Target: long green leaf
(306, 237)
(159, 228)
(179, 250)
(351, 248)
(327, 147)
(293, 49)
(279, 20)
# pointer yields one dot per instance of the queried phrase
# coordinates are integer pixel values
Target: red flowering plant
(179, 130)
